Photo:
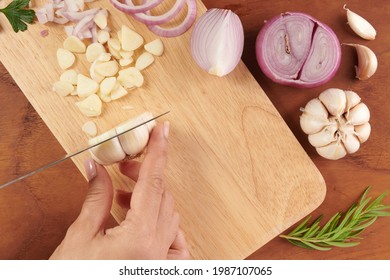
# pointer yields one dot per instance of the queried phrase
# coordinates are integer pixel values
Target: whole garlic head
(336, 122)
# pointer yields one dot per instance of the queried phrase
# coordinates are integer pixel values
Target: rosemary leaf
(341, 230)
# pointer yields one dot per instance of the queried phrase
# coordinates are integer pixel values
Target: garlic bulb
(217, 41)
(337, 123)
(129, 144)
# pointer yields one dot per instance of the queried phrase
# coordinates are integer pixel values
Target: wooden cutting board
(238, 174)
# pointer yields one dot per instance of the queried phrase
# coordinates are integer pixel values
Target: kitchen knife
(70, 155)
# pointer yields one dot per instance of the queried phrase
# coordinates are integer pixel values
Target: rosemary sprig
(341, 230)
(18, 15)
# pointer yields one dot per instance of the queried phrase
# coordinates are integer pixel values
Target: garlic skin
(367, 62)
(342, 128)
(127, 145)
(360, 25)
(217, 41)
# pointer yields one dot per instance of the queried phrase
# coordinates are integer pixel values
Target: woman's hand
(151, 227)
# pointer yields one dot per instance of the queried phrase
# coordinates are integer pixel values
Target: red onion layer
(297, 50)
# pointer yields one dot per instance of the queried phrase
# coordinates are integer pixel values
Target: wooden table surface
(35, 213)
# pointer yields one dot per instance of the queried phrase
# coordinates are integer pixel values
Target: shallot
(296, 49)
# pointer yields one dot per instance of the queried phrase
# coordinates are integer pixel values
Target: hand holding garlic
(337, 122)
(149, 231)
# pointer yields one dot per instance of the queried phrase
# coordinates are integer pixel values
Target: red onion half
(297, 50)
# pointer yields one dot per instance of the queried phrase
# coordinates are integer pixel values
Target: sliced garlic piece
(65, 58)
(90, 106)
(108, 152)
(103, 36)
(74, 44)
(118, 92)
(126, 55)
(69, 76)
(93, 51)
(360, 25)
(333, 151)
(86, 86)
(130, 39)
(107, 85)
(334, 100)
(125, 61)
(131, 76)
(107, 69)
(114, 47)
(144, 60)
(63, 88)
(155, 47)
(363, 132)
(101, 19)
(89, 128)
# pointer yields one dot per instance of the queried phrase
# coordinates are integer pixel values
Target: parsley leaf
(17, 14)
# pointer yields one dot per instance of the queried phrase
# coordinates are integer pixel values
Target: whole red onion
(296, 49)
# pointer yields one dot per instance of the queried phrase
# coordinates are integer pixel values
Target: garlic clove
(360, 25)
(310, 124)
(315, 108)
(93, 51)
(65, 58)
(108, 152)
(333, 151)
(74, 45)
(135, 141)
(63, 88)
(144, 60)
(363, 132)
(358, 115)
(334, 100)
(86, 86)
(69, 76)
(351, 143)
(89, 128)
(324, 137)
(367, 62)
(155, 47)
(352, 99)
(107, 69)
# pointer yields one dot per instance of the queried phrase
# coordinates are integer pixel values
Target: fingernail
(90, 169)
(166, 129)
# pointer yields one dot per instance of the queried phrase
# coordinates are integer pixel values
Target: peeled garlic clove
(367, 62)
(89, 128)
(363, 132)
(358, 115)
(90, 106)
(324, 137)
(108, 152)
(333, 151)
(217, 41)
(135, 141)
(351, 143)
(360, 25)
(334, 100)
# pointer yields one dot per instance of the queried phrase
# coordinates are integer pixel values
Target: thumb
(98, 202)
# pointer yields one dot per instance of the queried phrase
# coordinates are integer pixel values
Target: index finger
(149, 189)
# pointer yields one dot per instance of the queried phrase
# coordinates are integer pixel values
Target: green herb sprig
(18, 15)
(341, 230)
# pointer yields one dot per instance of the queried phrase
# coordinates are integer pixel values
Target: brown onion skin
(336, 48)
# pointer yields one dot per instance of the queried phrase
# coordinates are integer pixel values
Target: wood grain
(346, 179)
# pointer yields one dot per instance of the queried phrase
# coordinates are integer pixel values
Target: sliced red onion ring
(297, 50)
(158, 19)
(179, 29)
(135, 9)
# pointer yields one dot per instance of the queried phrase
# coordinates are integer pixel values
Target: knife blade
(70, 155)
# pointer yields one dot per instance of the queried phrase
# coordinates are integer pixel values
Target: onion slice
(182, 27)
(148, 19)
(297, 50)
(131, 9)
